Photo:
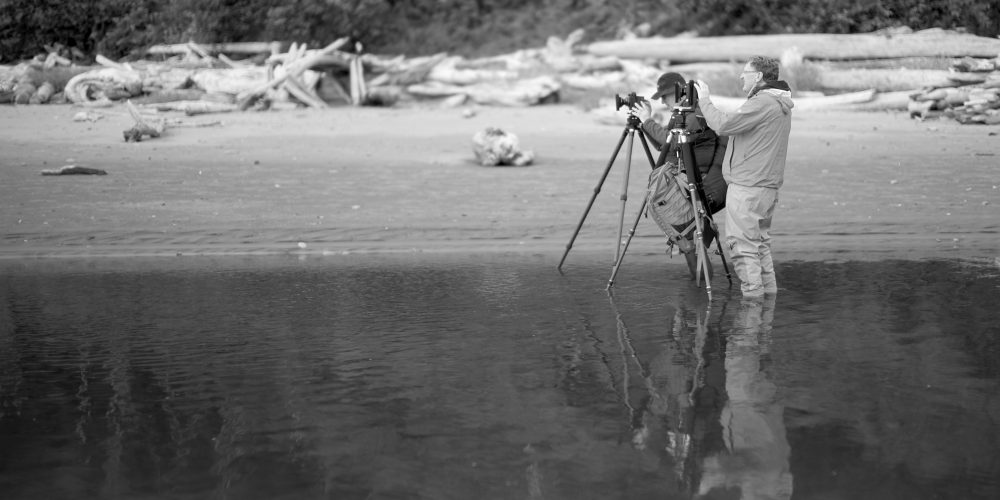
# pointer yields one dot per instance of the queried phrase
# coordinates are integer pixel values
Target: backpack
(667, 201)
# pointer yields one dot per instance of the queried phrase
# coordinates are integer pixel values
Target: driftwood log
(142, 127)
(884, 80)
(927, 43)
(74, 170)
(971, 104)
(191, 108)
(526, 92)
(293, 69)
(218, 48)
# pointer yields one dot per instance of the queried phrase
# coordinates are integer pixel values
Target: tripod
(632, 125)
(681, 142)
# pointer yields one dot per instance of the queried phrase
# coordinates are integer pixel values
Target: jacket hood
(780, 91)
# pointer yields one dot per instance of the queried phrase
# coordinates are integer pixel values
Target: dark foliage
(122, 28)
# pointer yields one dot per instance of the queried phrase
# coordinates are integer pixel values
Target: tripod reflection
(703, 404)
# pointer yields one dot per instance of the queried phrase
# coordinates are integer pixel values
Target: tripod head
(686, 96)
(633, 121)
(687, 102)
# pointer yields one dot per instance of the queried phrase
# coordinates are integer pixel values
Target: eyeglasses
(745, 72)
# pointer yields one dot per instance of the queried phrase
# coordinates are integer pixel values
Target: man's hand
(702, 88)
(642, 110)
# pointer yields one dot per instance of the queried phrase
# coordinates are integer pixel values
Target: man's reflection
(755, 459)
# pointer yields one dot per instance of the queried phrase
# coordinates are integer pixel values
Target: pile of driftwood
(199, 81)
(929, 72)
(202, 78)
(973, 98)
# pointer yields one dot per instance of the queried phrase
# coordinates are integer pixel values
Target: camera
(630, 100)
(686, 95)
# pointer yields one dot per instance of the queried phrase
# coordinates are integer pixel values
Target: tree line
(125, 28)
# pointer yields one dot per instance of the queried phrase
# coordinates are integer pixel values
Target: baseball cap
(666, 84)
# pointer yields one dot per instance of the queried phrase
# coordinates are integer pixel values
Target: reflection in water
(756, 461)
(721, 424)
(494, 377)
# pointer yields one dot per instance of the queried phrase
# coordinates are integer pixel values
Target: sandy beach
(859, 185)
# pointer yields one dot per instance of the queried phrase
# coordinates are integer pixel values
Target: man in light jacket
(754, 167)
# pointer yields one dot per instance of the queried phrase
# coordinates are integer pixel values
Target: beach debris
(297, 61)
(968, 104)
(494, 147)
(151, 126)
(74, 170)
(898, 69)
(191, 108)
(100, 87)
(87, 116)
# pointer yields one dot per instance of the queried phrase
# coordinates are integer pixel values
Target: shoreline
(859, 186)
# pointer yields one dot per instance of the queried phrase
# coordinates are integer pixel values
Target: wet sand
(859, 185)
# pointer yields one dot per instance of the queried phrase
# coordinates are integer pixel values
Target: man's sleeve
(748, 116)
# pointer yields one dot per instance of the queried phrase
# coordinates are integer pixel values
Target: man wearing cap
(754, 167)
(707, 145)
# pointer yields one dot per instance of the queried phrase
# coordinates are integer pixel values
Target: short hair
(766, 65)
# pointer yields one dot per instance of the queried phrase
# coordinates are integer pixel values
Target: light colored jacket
(758, 136)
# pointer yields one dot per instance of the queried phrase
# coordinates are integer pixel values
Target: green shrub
(119, 28)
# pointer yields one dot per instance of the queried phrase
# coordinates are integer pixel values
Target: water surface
(493, 376)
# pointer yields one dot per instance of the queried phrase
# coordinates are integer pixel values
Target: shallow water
(494, 376)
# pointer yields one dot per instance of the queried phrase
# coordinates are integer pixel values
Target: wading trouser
(748, 225)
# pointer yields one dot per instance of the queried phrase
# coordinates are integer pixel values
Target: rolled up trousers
(748, 224)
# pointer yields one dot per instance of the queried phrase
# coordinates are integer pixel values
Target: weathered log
(359, 89)
(204, 54)
(883, 80)
(43, 94)
(941, 63)
(448, 71)
(836, 101)
(398, 72)
(173, 95)
(142, 127)
(303, 93)
(927, 43)
(23, 92)
(58, 76)
(191, 108)
(106, 83)
(526, 92)
(606, 80)
(884, 101)
(336, 60)
(178, 123)
(74, 170)
(292, 69)
(227, 48)
(230, 81)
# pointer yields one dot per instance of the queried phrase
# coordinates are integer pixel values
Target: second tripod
(633, 127)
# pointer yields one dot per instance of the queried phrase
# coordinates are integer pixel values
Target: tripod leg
(631, 233)
(703, 260)
(624, 193)
(722, 253)
(699, 242)
(597, 190)
(649, 153)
